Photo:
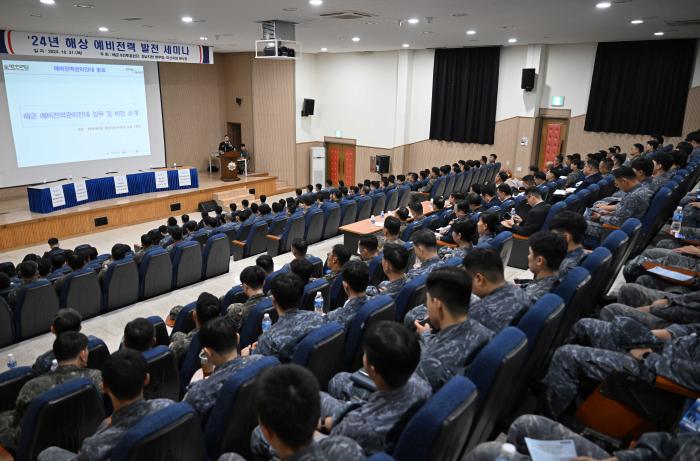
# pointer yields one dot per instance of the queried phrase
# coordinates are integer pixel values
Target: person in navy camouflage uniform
(355, 280)
(425, 246)
(573, 227)
(394, 264)
(547, 251)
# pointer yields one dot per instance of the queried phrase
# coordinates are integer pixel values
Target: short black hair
(608, 162)
(533, 191)
(287, 401)
(538, 175)
(263, 198)
(679, 159)
(473, 198)
(264, 209)
(393, 351)
(402, 214)
(568, 221)
(276, 207)
(492, 222)
(438, 203)
(303, 268)
(625, 172)
(124, 373)
(172, 221)
(219, 334)
(639, 147)
(463, 206)
(27, 269)
(175, 233)
(341, 253)
(693, 136)
(163, 229)
(593, 163)
(300, 245)
(265, 262)
(146, 240)
(139, 334)
(653, 143)
(370, 243)
(69, 345)
(254, 207)
(287, 290)
(4, 280)
(356, 274)
(485, 261)
(53, 241)
(76, 260)
(57, 260)
(665, 159)
(416, 208)
(396, 256)
(44, 267)
(253, 276)
(392, 225)
(424, 237)
(245, 203)
(207, 308)
(551, 246)
(452, 286)
(66, 319)
(488, 189)
(466, 228)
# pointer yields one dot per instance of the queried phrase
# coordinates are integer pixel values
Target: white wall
(511, 99)
(420, 96)
(305, 86)
(569, 74)
(696, 72)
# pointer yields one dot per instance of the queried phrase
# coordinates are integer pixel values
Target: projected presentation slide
(75, 112)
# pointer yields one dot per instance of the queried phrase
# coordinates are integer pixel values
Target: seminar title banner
(78, 46)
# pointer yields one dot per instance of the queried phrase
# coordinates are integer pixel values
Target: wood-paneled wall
(274, 124)
(302, 163)
(237, 77)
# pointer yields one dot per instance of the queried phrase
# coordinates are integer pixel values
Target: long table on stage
(104, 188)
(353, 233)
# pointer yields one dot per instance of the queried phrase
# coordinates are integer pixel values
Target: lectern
(229, 167)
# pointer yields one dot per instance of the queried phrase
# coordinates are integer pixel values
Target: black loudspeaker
(382, 164)
(206, 207)
(308, 107)
(528, 81)
(175, 207)
(101, 221)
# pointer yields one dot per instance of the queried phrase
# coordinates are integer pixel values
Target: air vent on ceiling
(684, 23)
(348, 15)
(132, 19)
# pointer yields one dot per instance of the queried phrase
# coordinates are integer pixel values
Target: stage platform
(20, 227)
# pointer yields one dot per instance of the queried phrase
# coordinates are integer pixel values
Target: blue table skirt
(103, 189)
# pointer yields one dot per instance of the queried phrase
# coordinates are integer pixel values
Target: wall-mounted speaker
(527, 83)
(308, 107)
(206, 207)
(382, 164)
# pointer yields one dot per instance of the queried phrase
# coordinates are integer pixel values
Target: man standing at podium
(225, 145)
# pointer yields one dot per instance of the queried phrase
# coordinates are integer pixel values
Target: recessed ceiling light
(658, 34)
(512, 40)
(36, 15)
(83, 5)
(316, 2)
(406, 45)
(187, 19)
(324, 49)
(603, 5)
(290, 9)
(413, 21)
(147, 26)
(356, 39)
(48, 2)
(370, 23)
(103, 29)
(427, 32)
(460, 15)
(204, 38)
(637, 21)
(471, 32)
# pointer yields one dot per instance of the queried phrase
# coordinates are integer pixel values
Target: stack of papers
(669, 274)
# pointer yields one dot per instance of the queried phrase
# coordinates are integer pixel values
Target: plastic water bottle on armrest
(318, 303)
(677, 221)
(266, 323)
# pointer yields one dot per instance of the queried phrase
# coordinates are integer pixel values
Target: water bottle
(318, 303)
(11, 361)
(372, 220)
(54, 364)
(507, 453)
(382, 215)
(266, 323)
(691, 419)
(513, 213)
(677, 221)
(697, 195)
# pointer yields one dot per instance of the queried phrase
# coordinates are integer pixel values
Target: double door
(340, 163)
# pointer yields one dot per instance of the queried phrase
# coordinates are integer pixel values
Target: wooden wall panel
(302, 163)
(362, 162)
(237, 79)
(273, 118)
(193, 116)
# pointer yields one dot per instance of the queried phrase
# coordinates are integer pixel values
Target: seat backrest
(321, 352)
(404, 196)
(378, 202)
(155, 273)
(439, 430)
(271, 277)
(232, 418)
(653, 218)
(162, 338)
(74, 406)
(294, 230)
(173, 432)
(190, 362)
(35, 308)
(376, 273)
(364, 208)
(162, 369)
(310, 290)
(348, 211)
(331, 221)
(184, 321)
(98, 353)
(314, 228)
(449, 185)
(374, 310)
(11, 381)
(432, 222)
(337, 295)
(459, 182)
(216, 256)
(252, 325)
(200, 237)
(81, 291)
(187, 264)
(256, 242)
(7, 331)
(553, 211)
(573, 203)
(244, 230)
(120, 285)
(573, 290)
(278, 226)
(392, 200)
(618, 242)
(494, 370)
(438, 188)
(411, 295)
(234, 295)
(410, 229)
(317, 263)
(598, 264)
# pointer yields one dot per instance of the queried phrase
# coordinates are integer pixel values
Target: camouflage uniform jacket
(344, 315)
(282, 338)
(425, 267)
(633, 205)
(573, 258)
(180, 343)
(498, 309)
(387, 288)
(239, 311)
(539, 287)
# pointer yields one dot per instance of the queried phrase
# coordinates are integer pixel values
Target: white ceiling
(235, 22)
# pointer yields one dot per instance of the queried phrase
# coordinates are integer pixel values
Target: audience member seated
(573, 227)
(76, 261)
(394, 265)
(355, 280)
(547, 251)
(118, 253)
(28, 272)
(71, 352)
(219, 340)
(501, 303)
(462, 213)
(534, 219)
(206, 308)
(265, 263)
(488, 227)
(464, 234)
(299, 249)
(425, 247)
(66, 320)
(252, 281)
(368, 248)
(293, 325)
(591, 173)
(125, 375)
(391, 232)
(54, 248)
(416, 212)
(176, 236)
(141, 249)
(335, 260)
(139, 335)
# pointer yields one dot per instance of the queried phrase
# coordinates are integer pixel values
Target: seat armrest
(273, 237)
(238, 243)
(611, 227)
(5, 455)
(446, 244)
(669, 386)
(520, 237)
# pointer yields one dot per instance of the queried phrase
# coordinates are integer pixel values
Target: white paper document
(559, 192)
(161, 179)
(551, 450)
(570, 190)
(81, 193)
(670, 274)
(57, 196)
(121, 186)
(183, 178)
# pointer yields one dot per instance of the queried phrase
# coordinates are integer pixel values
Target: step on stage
(20, 227)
